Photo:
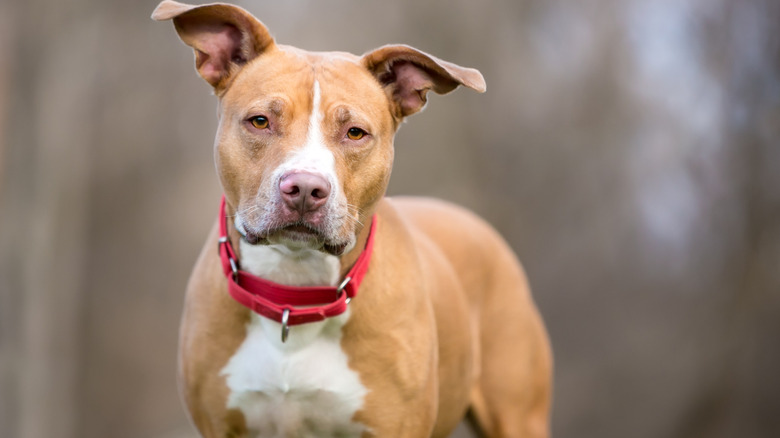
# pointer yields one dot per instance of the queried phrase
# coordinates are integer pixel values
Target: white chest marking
(304, 387)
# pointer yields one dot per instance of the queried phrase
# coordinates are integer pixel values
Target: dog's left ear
(225, 37)
(407, 74)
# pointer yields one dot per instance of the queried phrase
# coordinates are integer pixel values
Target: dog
(320, 307)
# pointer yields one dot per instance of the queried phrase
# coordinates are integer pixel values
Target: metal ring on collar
(234, 268)
(285, 327)
(221, 241)
(341, 287)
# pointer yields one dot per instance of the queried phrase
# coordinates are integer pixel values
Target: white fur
(304, 387)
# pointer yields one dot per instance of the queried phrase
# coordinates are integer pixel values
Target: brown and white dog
(444, 324)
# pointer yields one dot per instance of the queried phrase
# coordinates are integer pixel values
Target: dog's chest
(300, 388)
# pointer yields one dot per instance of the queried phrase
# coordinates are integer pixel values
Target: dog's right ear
(407, 74)
(225, 37)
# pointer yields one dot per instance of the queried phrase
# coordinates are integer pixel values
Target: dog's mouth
(298, 235)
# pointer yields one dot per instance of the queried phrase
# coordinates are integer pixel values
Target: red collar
(283, 303)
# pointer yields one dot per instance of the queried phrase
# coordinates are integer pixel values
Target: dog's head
(304, 146)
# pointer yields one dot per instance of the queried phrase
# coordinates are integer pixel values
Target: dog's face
(304, 147)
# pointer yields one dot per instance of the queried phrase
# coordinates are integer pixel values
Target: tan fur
(444, 320)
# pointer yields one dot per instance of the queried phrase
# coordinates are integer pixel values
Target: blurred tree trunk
(8, 344)
(45, 195)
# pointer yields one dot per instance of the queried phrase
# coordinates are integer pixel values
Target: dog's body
(444, 322)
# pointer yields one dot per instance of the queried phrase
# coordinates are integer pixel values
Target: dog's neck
(300, 267)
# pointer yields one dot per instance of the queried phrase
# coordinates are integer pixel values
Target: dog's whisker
(354, 208)
(355, 220)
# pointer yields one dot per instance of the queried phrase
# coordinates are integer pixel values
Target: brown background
(628, 150)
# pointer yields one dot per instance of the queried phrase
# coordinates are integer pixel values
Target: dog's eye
(259, 122)
(355, 133)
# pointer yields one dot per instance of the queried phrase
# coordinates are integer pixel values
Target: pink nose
(303, 191)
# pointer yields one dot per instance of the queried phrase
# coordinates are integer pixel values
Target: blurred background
(628, 150)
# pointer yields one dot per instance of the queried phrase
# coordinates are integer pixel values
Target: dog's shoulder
(442, 220)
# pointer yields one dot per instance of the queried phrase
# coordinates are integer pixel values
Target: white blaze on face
(314, 156)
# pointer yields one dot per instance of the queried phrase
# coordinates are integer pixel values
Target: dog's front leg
(402, 416)
(399, 369)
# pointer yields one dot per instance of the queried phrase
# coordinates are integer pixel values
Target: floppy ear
(407, 74)
(225, 37)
